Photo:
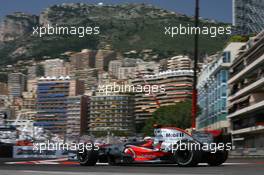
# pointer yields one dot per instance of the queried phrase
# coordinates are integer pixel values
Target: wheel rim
(184, 157)
(82, 156)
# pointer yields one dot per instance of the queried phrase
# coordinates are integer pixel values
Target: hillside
(125, 27)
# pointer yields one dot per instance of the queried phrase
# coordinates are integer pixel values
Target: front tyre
(218, 158)
(88, 157)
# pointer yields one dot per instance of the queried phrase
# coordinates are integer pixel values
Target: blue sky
(220, 10)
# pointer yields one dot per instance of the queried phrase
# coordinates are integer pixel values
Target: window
(224, 76)
(226, 57)
(224, 90)
(223, 104)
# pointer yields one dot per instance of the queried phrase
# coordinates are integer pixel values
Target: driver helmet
(147, 138)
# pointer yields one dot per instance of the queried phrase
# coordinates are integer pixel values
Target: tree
(178, 115)
(3, 77)
(40, 70)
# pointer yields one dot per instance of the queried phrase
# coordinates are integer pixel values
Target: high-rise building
(103, 57)
(126, 72)
(174, 86)
(16, 84)
(56, 67)
(29, 100)
(248, 16)
(180, 63)
(111, 113)
(83, 68)
(82, 60)
(163, 65)
(246, 97)
(16, 106)
(51, 104)
(3, 89)
(32, 72)
(88, 76)
(77, 116)
(32, 85)
(212, 89)
(147, 68)
(105, 78)
(114, 66)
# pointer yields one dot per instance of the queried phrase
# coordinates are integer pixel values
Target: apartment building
(111, 113)
(32, 72)
(82, 60)
(126, 72)
(32, 85)
(16, 84)
(212, 89)
(83, 68)
(177, 87)
(88, 76)
(248, 16)
(131, 70)
(56, 67)
(180, 63)
(51, 104)
(77, 116)
(103, 57)
(29, 100)
(3, 89)
(114, 66)
(246, 96)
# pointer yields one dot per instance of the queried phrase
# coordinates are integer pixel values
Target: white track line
(99, 173)
(54, 162)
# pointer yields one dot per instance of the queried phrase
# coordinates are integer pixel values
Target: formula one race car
(170, 145)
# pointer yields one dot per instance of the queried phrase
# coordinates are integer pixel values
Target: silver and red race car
(170, 145)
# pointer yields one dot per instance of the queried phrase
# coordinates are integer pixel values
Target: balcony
(247, 87)
(242, 70)
(245, 107)
(248, 130)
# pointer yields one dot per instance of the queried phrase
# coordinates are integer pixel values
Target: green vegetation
(125, 27)
(54, 46)
(3, 77)
(239, 38)
(100, 133)
(178, 115)
(141, 34)
(40, 71)
(114, 133)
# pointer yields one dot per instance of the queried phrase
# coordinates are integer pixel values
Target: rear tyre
(218, 158)
(115, 161)
(112, 161)
(187, 157)
(88, 157)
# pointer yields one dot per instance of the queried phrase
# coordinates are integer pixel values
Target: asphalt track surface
(232, 167)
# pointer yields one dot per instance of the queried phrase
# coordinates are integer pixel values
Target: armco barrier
(247, 152)
(28, 152)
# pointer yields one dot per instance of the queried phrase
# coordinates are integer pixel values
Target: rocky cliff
(17, 25)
